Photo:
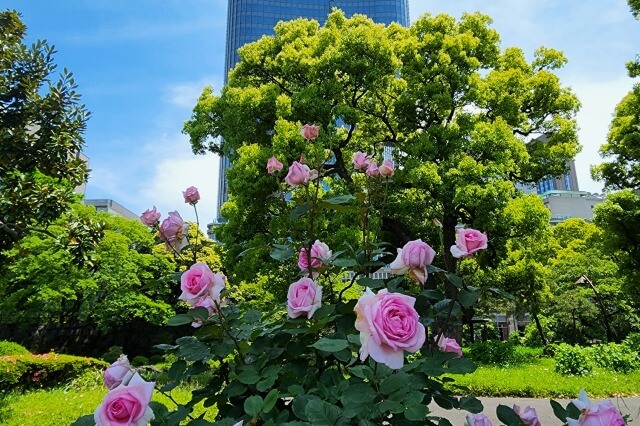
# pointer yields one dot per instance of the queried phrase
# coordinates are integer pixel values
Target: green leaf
(461, 366)
(180, 319)
(270, 400)
(559, 411)
(324, 312)
(340, 199)
(249, 377)
(502, 293)
(345, 262)
(371, 283)
(282, 255)
(416, 412)
(252, 316)
(177, 370)
(394, 382)
(471, 404)
(199, 312)
(468, 298)
(176, 416)
(508, 416)
(444, 422)
(321, 413)
(572, 411)
(331, 345)
(199, 422)
(359, 393)
(253, 405)
(191, 349)
(455, 280)
(85, 421)
(298, 211)
(299, 406)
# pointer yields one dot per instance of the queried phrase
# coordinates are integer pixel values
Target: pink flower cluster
(413, 258)
(319, 250)
(389, 325)
(362, 161)
(201, 287)
(127, 402)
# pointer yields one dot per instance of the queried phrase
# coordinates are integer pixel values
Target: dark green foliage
(496, 352)
(12, 348)
(43, 370)
(41, 128)
(614, 357)
(112, 354)
(139, 360)
(572, 360)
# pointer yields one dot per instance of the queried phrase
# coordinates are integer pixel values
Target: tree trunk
(540, 331)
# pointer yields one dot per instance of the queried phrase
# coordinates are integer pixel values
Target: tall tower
(248, 20)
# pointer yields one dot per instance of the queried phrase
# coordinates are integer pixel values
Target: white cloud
(186, 94)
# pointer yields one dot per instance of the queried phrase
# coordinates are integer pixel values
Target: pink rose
(191, 195)
(273, 165)
(303, 298)
(599, 415)
(199, 282)
(388, 325)
(150, 217)
(529, 416)
(478, 420)
(449, 345)
(413, 258)
(386, 169)
(360, 160)
(318, 250)
(117, 373)
(372, 169)
(126, 405)
(310, 132)
(298, 174)
(468, 241)
(174, 231)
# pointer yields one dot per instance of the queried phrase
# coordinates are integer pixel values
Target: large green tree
(461, 115)
(41, 128)
(42, 289)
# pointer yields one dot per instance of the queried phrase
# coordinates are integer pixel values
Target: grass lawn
(538, 380)
(60, 407)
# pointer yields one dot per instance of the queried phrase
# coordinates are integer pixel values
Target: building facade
(248, 20)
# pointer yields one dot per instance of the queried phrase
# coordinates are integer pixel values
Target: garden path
(630, 406)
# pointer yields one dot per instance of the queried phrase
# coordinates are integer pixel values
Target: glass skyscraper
(248, 20)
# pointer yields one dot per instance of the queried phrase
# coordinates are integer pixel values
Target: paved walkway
(630, 406)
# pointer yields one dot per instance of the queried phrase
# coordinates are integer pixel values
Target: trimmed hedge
(12, 348)
(44, 370)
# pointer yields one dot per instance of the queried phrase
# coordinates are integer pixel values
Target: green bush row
(45, 370)
(579, 361)
(502, 353)
(12, 348)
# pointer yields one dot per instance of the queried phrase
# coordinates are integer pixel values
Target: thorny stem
(228, 331)
(168, 395)
(195, 249)
(353, 280)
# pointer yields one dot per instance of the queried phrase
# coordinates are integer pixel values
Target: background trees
(459, 113)
(41, 127)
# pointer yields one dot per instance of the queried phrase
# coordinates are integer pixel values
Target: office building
(248, 20)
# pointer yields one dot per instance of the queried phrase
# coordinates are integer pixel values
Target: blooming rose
(150, 217)
(126, 404)
(529, 416)
(386, 169)
(174, 231)
(360, 160)
(309, 131)
(118, 372)
(273, 164)
(449, 345)
(413, 258)
(600, 415)
(372, 169)
(198, 282)
(478, 420)
(303, 298)
(191, 195)
(298, 174)
(388, 325)
(468, 241)
(318, 250)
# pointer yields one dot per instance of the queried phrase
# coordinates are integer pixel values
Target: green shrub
(495, 352)
(532, 335)
(44, 370)
(572, 360)
(140, 360)
(12, 348)
(549, 350)
(156, 359)
(112, 354)
(614, 357)
(632, 341)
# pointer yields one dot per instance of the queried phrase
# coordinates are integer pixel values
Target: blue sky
(140, 66)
